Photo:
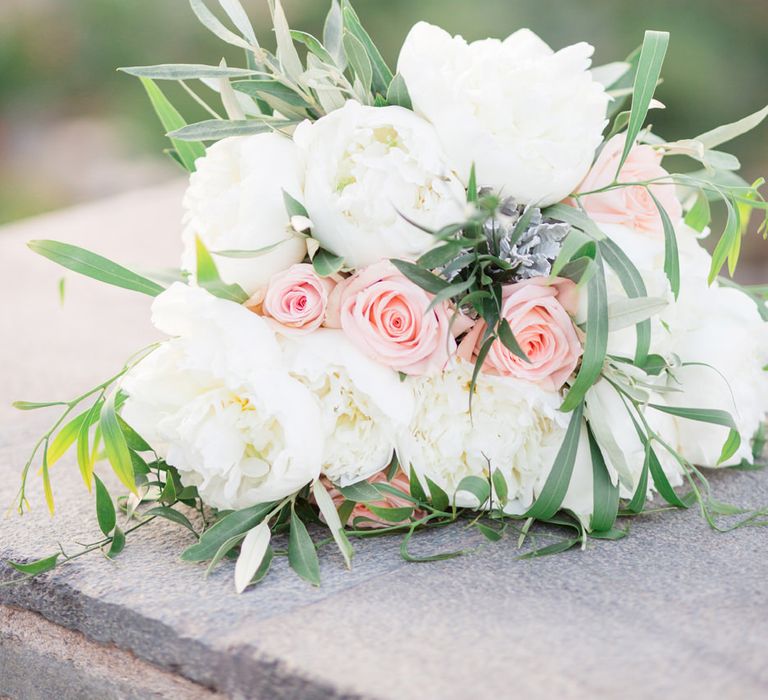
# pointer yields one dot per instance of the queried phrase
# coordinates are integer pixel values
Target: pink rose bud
(537, 311)
(630, 206)
(297, 298)
(386, 316)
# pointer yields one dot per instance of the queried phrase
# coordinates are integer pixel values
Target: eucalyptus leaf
(671, 256)
(397, 93)
(252, 553)
(95, 266)
(331, 515)
(216, 129)
(105, 508)
(652, 54)
(381, 74)
(186, 71)
(326, 263)
(724, 133)
(302, 555)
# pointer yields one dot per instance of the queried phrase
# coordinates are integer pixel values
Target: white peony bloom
(529, 119)
(215, 403)
(720, 328)
(712, 325)
(515, 427)
(364, 406)
(365, 166)
(235, 202)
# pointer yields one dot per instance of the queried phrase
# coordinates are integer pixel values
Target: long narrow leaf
(92, 265)
(648, 71)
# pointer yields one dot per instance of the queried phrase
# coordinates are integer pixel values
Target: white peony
(364, 406)
(215, 403)
(720, 328)
(529, 119)
(365, 166)
(235, 202)
(515, 427)
(712, 325)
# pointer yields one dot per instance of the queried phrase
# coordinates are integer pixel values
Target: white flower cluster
(337, 375)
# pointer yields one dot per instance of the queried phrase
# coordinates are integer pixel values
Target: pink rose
(297, 298)
(361, 510)
(630, 206)
(385, 315)
(537, 311)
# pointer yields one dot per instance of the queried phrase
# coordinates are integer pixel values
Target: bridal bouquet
(471, 289)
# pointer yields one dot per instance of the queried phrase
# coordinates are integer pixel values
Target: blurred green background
(73, 129)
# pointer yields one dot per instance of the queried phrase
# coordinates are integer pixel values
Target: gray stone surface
(675, 609)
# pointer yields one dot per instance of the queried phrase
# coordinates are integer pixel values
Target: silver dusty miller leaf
(533, 253)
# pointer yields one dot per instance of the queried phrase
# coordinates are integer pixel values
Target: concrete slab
(674, 609)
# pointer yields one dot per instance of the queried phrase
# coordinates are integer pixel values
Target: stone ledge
(39, 659)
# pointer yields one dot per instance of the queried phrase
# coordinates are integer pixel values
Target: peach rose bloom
(297, 298)
(629, 206)
(385, 315)
(361, 510)
(537, 311)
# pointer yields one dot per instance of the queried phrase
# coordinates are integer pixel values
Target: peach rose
(630, 206)
(537, 311)
(385, 315)
(297, 298)
(361, 510)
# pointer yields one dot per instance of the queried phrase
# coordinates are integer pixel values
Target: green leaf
(507, 337)
(391, 515)
(92, 265)
(236, 523)
(115, 444)
(171, 514)
(661, 482)
(245, 254)
(302, 555)
(118, 543)
(34, 568)
(293, 206)
(286, 51)
(415, 487)
(381, 74)
(732, 443)
(361, 492)
(359, 61)
(421, 277)
(185, 71)
(637, 503)
(729, 241)
(439, 256)
(65, 437)
(208, 277)
(556, 485)
(105, 509)
(648, 71)
(439, 498)
(326, 264)
(724, 133)
(488, 532)
(85, 459)
(333, 30)
(699, 215)
(224, 550)
(34, 405)
(397, 93)
(209, 21)
(556, 548)
(500, 486)
(605, 492)
(266, 88)
(479, 488)
(331, 515)
(704, 415)
(132, 438)
(671, 257)
(632, 282)
(313, 45)
(217, 129)
(188, 151)
(472, 191)
(47, 490)
(596, 342)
